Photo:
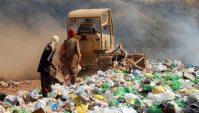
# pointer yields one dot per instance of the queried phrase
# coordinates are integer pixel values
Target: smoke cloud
(163, 30)
(21, 46)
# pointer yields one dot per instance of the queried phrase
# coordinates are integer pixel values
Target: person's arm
(50, 59)
(61, 50)
(78, 51)
(53, 65)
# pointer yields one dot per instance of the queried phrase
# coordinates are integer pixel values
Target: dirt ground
(34, 84)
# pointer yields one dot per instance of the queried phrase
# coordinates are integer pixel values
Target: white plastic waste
(130, 96)
(41, 103)
(59, 104)
(109, 82)
(11, 99)
(2, 109)
(190, 70)
(160, 67)
(108, 94)
(136, 84)
(194, 97)
(101, 73)
(47, 100)
(58, 87)
(186, 85)
(34, 94)
(125, 109)
(159, 97)
(100, 103)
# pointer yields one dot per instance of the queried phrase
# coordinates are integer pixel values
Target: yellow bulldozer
(96, 39)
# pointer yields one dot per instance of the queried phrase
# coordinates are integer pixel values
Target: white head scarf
(55, 40)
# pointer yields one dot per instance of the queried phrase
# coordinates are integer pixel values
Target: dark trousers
(45, 80)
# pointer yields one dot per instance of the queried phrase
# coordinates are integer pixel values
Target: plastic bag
(159, 97)
(128, 84)
(186, 84)
(176, 77)
(157, 75)
(179, 103)
(158, 89)
(175, 88)
(125, 109)
(175, 85)
(99, 97)
(120, 91)
(137, 103)
(129, 89)
(41, 103)
(76, 99)
(136, 84)
(129, 97)
(2, 109)
(170, 107)
(104, 85)
(148, 88)
(110, 82)
(14, 108)
(24, 111)
(167, 77)
(107, 94)
(81, 108)
(154, 109)
(192, 108)
(12, 100)
(114, 89)
(114, 103)
(194, 97)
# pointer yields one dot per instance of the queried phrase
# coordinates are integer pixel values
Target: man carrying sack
(70, 58)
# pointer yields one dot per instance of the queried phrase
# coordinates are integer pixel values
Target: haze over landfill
(160, 29)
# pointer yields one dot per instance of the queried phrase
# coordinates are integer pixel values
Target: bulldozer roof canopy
(87, 13)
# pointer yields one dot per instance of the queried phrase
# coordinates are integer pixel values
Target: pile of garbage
(165, 87)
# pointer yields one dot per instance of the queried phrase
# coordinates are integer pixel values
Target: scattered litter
(167, 86)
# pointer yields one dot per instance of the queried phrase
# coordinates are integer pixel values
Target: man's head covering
(71, 33)
(55, 40)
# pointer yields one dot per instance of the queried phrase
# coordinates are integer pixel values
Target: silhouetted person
(46, 62)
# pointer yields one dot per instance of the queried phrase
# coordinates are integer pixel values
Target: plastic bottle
(34, 94)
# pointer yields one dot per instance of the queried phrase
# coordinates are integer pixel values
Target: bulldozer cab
(90, 25)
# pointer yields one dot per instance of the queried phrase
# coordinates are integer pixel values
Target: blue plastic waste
(190, 65)
(37, 107)
(81, 92)
(53, 105)
(134, 73)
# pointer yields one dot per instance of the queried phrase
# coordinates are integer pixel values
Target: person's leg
(42, 83)
(66, 74)
(74, 71)
(45, 79)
